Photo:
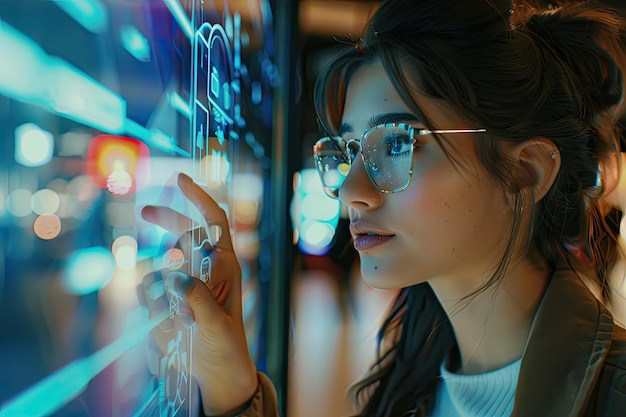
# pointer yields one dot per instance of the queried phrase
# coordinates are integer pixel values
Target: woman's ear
(539, 163)
(614, 180)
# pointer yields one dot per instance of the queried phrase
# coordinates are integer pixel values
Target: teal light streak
(60, 387)
(135, 43)
(38, 78)
(90, 14)
(180, 105)
(154, 138)
(181, 17)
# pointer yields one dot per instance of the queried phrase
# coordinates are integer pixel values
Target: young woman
(472, 142)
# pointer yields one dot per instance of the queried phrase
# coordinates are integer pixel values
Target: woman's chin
(385, 281)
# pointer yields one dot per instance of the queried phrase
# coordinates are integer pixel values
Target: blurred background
(102, 103)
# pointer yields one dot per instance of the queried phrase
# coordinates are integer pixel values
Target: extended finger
(167, 218)
(208, 207)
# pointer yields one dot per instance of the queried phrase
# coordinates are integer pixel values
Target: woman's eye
(399, 145)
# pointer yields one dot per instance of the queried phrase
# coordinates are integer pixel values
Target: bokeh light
(87, 270)
(47, 226)
(119, 182)
(18, 202)
(173, 259)
(114, 161)
(82, 188)
(314, 215)
(33, 145)
(124, 251)
(319, 207)
(45, 201)
(315, 235)
(247, 197)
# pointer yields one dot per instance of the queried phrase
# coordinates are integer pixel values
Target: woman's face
(447, 226)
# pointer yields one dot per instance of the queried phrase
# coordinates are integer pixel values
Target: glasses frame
(413, 132)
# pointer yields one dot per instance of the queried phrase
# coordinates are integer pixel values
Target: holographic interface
(102, 103)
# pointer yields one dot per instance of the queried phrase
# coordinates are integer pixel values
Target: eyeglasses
(386, 151)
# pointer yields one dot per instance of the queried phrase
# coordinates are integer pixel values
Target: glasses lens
(388, 154)
(332, 164)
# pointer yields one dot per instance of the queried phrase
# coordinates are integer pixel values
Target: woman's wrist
(237, 411)
(222, 403)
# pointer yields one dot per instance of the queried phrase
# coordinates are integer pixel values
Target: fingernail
(183, 179)
(215, 234)
(166, 325)
(186, 320)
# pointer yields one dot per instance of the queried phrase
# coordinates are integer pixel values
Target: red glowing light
(110, 156)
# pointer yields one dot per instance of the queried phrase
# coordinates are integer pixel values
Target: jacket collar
(568, 342)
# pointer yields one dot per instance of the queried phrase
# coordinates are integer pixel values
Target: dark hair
(521, 72)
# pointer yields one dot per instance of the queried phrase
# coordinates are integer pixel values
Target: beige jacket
(574, 363)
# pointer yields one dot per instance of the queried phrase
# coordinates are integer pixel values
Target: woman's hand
(221, 363)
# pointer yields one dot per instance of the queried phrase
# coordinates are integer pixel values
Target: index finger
(211, 212)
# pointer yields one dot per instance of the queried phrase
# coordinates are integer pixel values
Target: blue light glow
(90, 14)
(135, 43)
(179, 104)
(88, 270)
(50, 394)
(181, 17)
(153, 138)
(315, 236)
(34, 77)
(83, 99)
(315, 216)
(319, 207)
(33, 145)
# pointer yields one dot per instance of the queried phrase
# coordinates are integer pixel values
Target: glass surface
(102, 103)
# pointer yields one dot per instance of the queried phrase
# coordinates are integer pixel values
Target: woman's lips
(365, 242)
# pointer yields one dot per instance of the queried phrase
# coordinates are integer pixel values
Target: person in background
(475, 144)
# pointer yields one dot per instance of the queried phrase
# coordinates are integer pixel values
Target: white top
(481, 395)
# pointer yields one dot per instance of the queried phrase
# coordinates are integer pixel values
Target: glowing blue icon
(215, 82)
(205, 269)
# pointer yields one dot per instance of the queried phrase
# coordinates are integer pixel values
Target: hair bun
(582, 41)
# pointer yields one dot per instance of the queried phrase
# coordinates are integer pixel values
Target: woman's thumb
(195, 293)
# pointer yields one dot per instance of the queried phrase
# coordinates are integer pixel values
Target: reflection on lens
(333, 179)
(388, 154)
(343, 168)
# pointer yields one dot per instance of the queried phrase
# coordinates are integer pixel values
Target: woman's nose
(357, 190)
